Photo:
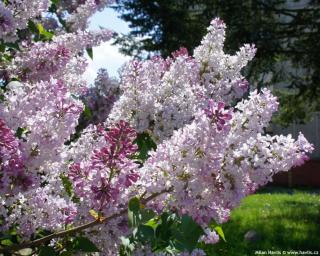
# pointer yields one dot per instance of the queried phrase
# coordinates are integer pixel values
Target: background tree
(286, 34)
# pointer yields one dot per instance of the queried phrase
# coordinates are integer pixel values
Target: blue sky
(106, 55)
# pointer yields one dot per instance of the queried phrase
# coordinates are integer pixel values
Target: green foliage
(25, 252)
(83, 244)
(145, 144)
(87, 112)
(67, 185)
(55, 1)
(46, 35)
(40, 33)
(90, 53)
(21, 133)
(47, 251)
(137, 215)
(296, 107)
(166, 232)
(186, 234)
(219, 231)
(9, 238)
(134, 205)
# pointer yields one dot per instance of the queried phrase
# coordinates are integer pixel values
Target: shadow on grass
(289, 191)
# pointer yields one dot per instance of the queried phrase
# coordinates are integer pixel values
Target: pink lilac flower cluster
(12, 175)
(109, 171)
(103, 175)
(211, 151)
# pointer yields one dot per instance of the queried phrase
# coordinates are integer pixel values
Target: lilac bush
(61, 185)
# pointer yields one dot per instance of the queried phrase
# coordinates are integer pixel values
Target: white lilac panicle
(209, 172)
(138, 78)
(159, 95)
(45, 211)
(163, 95)
(189, 163)
(47, 113)
(44, 60)
(220, 72)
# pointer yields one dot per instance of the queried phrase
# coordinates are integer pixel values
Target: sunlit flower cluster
(162, 95)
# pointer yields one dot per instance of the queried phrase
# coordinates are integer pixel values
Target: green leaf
(136, 215)
(66, 253)
(42, 31)
(13, 46)
(187, 234)
(145, 233)
(215, 226)
(32, 26)
(25, 252)
(55, 1)
(47, 251)
(152, 223)
(219, 230)
(7, 242)
(145, 144)
(87, 112)
(164, 229)
(21, 133)
(84, 244)
(94, 214)
(2, 47)
(146, 215)
(40, 28)
(133, 212)
(67, 185)
(134, 204)
(90, 52)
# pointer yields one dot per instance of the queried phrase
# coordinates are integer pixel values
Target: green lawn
(285, 219)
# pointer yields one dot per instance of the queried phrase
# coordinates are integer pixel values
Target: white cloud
(105, 56)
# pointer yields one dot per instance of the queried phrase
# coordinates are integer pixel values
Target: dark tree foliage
(286, 33)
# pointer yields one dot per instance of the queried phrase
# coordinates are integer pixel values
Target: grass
(285, 219)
